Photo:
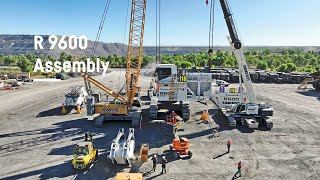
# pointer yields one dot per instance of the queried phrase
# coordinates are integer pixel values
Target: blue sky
(183, 22)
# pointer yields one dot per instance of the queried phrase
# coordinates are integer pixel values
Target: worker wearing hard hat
(154, 162)
(239, 170)
(164, 162)
(228, 145)
(172, 116)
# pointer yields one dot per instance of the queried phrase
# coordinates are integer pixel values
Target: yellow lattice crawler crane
(123, 108)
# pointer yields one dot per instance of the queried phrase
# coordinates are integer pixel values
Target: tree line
(287, 60)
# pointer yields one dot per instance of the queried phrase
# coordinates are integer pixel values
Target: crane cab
(163, 71)
(246, 108)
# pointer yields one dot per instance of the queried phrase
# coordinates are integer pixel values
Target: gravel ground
(34, 147)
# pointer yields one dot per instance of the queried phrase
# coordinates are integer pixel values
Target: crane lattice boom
(135, 46)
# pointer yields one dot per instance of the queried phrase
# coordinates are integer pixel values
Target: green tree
(254, 52)
(25, 65)
(63, 57)
(262, 65)
(291, 51)
(165, 61)
(291, 67)
(218, 61)
(283, 68)
(266, 52)
(272, 67)
(9, 60)
(186, 64)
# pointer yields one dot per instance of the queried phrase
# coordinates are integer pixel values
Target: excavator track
(153, 109)
(316, 84)
(153, 112)
(185, 112)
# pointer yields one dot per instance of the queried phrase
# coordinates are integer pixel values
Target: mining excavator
(245, 109)
(121, 107)
(169, 91)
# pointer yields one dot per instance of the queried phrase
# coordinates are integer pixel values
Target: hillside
(150, 50)
(24, 44)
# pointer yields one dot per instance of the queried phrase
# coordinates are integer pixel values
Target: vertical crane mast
(135, 46)
(236, 45)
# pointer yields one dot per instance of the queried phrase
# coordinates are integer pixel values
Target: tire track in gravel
(254, 158)
(303, 160)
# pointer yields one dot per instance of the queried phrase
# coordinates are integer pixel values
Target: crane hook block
(210, 52)
(237, 45)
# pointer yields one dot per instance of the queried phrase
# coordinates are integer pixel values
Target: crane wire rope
(123, 45)
(158, 34)
(104, 15)
(211, 33)
(211, 24)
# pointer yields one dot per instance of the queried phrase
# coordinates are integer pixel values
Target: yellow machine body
(85, 154)
(106, 108)
(129, 176)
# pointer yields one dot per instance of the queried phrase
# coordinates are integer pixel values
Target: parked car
(222, 83)
(61, 76)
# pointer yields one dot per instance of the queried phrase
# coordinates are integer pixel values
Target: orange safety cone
(205, 116)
